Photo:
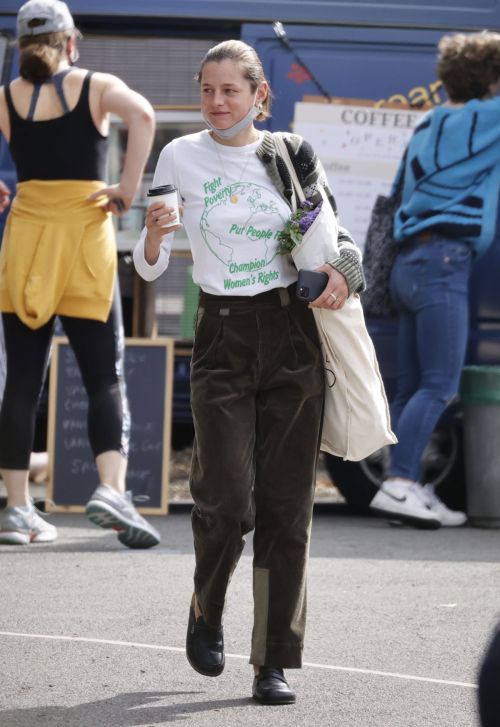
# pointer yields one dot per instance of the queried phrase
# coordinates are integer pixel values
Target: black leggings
(98, 348)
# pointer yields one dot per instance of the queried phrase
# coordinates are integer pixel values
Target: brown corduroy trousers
(257, 392)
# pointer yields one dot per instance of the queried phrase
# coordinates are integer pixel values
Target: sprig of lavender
(295, 228)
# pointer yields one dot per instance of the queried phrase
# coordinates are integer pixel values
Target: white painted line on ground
(177, 649)
(94, 641)
(394, 675)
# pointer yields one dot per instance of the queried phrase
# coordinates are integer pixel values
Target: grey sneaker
(20, 526)
(108, 509)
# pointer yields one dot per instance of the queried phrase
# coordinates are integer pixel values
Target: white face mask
(235, 129)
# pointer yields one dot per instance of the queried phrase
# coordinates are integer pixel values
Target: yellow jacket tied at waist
(58, 253)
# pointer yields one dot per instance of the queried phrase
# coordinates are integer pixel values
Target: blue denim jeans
(429, 284)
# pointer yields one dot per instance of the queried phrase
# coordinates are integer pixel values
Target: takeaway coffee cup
(167, 194)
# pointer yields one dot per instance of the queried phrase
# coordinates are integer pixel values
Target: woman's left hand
(336, 292)
(118, 201)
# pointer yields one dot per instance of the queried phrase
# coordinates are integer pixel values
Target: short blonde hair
(249, 62)
(468, 64)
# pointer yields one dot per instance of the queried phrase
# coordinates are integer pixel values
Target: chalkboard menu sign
(149, 369)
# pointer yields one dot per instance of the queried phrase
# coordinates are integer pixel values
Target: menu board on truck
(360, 147)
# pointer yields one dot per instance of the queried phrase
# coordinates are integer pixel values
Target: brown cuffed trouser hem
(282, 656)
(257, 390)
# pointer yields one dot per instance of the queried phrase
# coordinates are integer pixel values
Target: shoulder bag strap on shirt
(284, 154)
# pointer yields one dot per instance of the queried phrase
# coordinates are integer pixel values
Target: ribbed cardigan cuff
(349, 265)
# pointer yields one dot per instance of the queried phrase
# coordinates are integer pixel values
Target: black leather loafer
(271, 687)
(204, 647)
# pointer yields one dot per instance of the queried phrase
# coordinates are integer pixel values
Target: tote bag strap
(283, 153)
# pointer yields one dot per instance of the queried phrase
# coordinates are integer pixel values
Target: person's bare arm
(138, 115)
(4, 116)
(5, 130)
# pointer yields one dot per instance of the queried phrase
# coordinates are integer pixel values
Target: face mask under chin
(235, 129)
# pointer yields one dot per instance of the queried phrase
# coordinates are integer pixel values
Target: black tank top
(67, 147)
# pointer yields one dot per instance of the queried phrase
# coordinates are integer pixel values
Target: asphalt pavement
(92, 634)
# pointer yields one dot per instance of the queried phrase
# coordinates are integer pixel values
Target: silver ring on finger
(333, 297)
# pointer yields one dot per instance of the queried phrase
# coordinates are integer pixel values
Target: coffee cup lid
(165, 189)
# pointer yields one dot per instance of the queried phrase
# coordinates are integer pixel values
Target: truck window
(162, 69)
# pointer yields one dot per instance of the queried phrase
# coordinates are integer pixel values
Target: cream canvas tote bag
(356, 416)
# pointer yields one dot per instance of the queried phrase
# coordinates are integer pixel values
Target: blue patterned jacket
(452, 175)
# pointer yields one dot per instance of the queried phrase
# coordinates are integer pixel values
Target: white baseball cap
(43, 16)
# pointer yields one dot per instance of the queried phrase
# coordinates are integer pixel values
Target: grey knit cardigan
(311, 174)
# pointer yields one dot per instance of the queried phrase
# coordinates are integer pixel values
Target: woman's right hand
(4, 196)
(158, 223)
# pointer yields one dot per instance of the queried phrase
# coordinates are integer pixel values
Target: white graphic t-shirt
(232, 216)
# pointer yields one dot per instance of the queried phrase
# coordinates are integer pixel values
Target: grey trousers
(257, 391)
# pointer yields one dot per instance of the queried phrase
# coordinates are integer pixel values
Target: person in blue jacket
(446, 220)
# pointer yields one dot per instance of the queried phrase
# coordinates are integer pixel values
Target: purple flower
(297, 225)
(307, 220)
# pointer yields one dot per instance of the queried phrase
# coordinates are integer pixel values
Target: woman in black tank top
(55, 117)
(66, 147)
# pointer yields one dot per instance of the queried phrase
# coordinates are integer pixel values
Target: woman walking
(257, 374)
(58, 257)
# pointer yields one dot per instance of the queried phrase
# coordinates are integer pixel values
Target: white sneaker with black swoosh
(401, 500)
(448, 518)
